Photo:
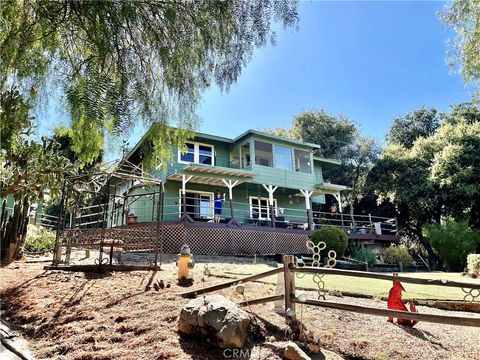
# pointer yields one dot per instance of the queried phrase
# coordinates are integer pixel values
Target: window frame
(211, 195)
(196, 153)
(250, 198)
(257, 158)
(311, 164)
(275, 157)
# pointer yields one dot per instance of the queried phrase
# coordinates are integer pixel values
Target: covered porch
(265, 207)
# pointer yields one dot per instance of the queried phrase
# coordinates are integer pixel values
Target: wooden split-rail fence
(289, 296)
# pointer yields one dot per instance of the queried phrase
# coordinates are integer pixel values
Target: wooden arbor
(94, 211)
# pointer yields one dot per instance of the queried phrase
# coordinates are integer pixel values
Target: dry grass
(120, 316)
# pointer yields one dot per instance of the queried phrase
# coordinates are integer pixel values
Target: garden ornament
(395, 302)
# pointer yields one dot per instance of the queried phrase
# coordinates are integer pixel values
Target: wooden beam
(405, 279)
(101, 268)
(288, 261)
(227, 284)
(262, 300)
(439, 319)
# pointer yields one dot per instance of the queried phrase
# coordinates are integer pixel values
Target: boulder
(216, 316)
(293, 352)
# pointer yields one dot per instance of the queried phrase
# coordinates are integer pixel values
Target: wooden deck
(207, 238)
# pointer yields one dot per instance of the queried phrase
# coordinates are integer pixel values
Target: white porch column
(339, 200)
(185, 180)
(230, 185)
(271, 189)
(307, 194)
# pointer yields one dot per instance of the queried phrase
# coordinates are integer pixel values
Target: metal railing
(203, 210)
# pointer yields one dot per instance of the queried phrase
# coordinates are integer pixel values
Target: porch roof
(212, 175)
(328, 188)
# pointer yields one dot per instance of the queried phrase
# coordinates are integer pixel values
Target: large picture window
(283, 157)
(196, 153)
(263, 153)
(259, 208)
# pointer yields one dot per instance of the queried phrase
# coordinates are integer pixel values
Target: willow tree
(463, 16)
(120, 62)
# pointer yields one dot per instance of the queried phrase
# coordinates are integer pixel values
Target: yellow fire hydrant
(185, 263)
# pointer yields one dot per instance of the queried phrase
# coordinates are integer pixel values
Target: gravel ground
(121, 316)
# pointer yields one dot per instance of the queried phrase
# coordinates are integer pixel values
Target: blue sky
(371, 61)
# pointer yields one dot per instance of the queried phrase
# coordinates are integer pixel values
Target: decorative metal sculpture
(395, 302)
(316, 262)
(471, 295)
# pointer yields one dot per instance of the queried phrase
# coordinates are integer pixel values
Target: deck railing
(245, 214)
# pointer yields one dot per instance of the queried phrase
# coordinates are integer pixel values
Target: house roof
(329, 162)
(275, 137)
(243, 135)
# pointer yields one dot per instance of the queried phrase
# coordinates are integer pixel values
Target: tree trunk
(351, 214)
(433, 258)
(474, 216)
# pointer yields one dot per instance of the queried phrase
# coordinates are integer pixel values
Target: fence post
(288, 261)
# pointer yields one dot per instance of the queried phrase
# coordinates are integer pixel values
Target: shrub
(365, 255)
(334, 237)
(39, 240)
(473, 263)
(395, 254)
(453, 241)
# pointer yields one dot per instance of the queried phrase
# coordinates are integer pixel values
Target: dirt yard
(123, 315)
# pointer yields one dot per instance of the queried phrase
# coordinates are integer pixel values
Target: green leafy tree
(464, 17)
(403, 179)
(332, 132)
(454, 241)
(437, 175)
(120, 62)
(338, 138)
(408, 128)
(358, 160)
(454, 153)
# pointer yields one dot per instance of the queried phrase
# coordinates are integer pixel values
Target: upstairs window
(189, 154)
(283, 157)
(196, 153)
(245, 156)
(205, 154)
(263, 153)
(302, 161)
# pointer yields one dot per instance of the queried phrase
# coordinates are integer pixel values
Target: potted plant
(131, 218)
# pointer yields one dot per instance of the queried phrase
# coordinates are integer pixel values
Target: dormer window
(196, 153)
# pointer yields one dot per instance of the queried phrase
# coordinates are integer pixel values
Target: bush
(473, 263)
(396, 254)
(453, 242)
(365, 255)
(334, 237)
(39, 240)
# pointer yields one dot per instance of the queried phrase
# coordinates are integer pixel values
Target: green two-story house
(256, 174)
(253, 194)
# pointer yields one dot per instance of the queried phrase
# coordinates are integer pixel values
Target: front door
(199, 205)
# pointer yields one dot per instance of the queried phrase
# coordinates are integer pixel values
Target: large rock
(293, 352)
(215, 315)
